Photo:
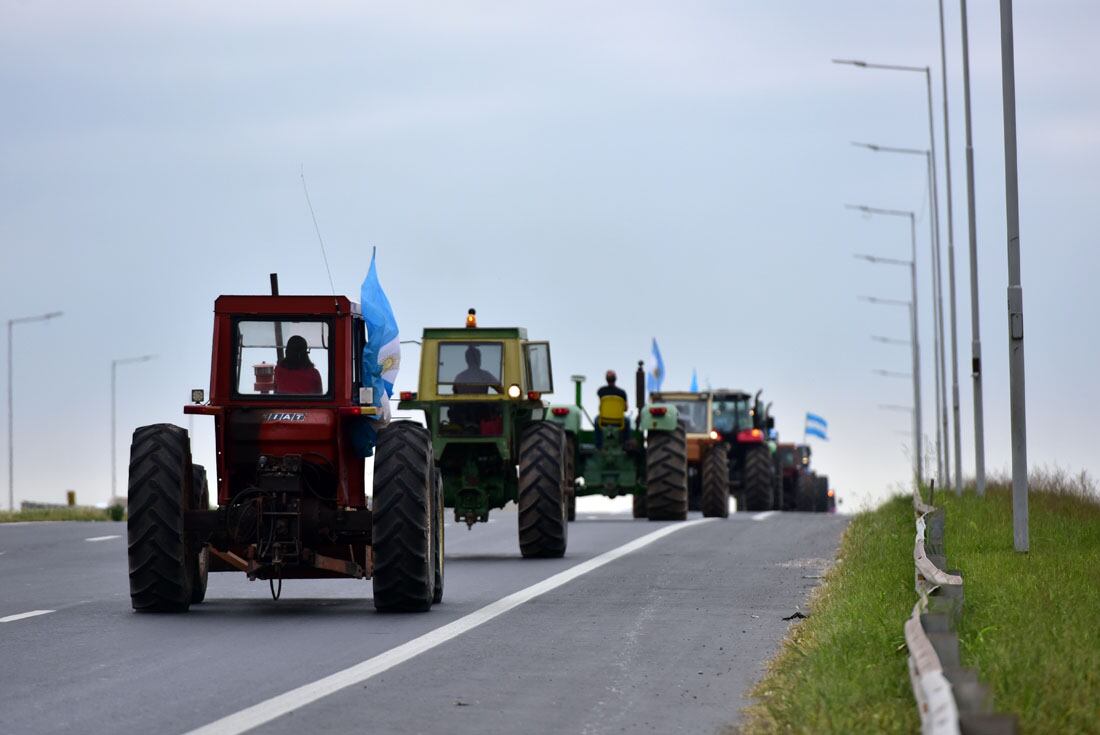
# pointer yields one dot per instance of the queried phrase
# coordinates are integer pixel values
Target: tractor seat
(612, 411)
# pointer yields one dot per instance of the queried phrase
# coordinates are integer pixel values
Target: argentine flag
(816, 426)
(382, 352)
(694, 381)
(655, 377)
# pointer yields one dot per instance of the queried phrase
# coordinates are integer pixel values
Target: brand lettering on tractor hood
(283, 416)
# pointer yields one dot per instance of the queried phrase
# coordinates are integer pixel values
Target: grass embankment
(61, 514)
(1029, 624)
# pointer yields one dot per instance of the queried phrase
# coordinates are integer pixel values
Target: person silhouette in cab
(473, 379)
(295, 373)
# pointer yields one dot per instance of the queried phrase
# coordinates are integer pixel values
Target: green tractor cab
(481, 393)
(646, 458)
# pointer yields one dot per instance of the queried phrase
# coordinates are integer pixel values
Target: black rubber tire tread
(716, 483)
(543, 498)
(161, 568)
(821, 494)
(571, 474)
(758, 483)
(200, 491)
(666, 488)
(639, 504)
(404, 573)
(438, 541)
(804, 492)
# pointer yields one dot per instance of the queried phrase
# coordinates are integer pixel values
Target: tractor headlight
(514, 391)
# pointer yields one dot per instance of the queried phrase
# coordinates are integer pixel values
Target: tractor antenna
(317, 229)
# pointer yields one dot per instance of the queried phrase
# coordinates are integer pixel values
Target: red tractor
(292, 426)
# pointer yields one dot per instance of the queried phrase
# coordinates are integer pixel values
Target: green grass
(844, 669)
(1031, 622)
(57, 514)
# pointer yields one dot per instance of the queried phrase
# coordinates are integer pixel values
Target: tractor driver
(295, 373)
(473, 379)
(611, 389)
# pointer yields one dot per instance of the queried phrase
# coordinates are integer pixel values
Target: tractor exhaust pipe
(274, 284)
(279, 353)
(639, 386)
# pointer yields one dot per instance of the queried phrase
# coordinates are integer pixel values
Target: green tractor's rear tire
(403, 516)
(716, 483)
(162, 563)
(543, 497)
(759, 484)
(438, 522)
(200, 491)
(571, 474)
(639, 504)
(666, 492)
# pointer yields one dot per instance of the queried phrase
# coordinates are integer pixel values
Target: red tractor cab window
(283, 358)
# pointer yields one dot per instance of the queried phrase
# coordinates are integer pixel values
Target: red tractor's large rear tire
(404, 485)
(200, 491)
(716, 483)
(666, 492)
(758, 483)
(543, 497)
(162, 566)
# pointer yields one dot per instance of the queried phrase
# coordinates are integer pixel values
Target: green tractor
(647, 460)
(481, 393)
(744, 423)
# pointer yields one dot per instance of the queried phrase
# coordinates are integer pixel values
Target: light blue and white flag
(655, 376)
(382, 351)
(816, 426)
(694, 381)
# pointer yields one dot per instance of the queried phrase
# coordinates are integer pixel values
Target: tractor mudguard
(659, 417)
(568, 416)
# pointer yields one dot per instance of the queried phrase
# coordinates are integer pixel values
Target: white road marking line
(268, 710)
(765, 515)
(103, 538)
(21, 616)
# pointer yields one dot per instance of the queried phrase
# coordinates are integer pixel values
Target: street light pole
(951, 265)
(114, 450)
(975, 325)
(943, 457)
(11, 399)
(1020, 539)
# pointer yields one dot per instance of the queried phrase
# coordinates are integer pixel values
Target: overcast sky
(599, 172)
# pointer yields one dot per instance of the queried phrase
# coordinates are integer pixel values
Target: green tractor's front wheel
(543, 497)
(666, 492)
(402, 518)
(716, 483)
(759, 483)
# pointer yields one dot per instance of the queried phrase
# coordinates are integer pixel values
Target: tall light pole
(951, 265)
(11, 399)
(918, 440)
(114, 451)
(918, 427)
(937, 302)
(972, 231)
(1020, 539)
(937, 276)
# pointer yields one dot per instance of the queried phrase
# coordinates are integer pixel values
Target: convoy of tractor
(298, 408)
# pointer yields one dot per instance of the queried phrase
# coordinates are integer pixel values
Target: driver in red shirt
(295, 373)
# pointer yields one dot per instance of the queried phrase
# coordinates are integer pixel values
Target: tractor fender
(659, 417)
(569, 417)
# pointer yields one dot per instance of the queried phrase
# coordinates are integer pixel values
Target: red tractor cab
(293, 425)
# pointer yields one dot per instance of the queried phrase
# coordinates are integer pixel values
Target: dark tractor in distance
(289, 416)
(481, 392)
(707, 452)
(795, 472)
(646, 460)
(742, 422)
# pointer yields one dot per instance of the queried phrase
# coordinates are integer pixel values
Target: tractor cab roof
(725, 394)
(681, 395)
(286, 305)
(475, 333)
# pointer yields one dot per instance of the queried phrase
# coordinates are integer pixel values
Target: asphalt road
(665, 638)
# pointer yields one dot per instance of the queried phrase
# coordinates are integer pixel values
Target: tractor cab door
(540, 377)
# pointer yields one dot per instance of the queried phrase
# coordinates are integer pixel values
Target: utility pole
(1020, 539)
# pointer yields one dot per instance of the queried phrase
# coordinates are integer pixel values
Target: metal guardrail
(951, 700)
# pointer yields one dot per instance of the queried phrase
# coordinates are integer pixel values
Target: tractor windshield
(469, 368)
(281, 358)
(732, 415)
(786, 457)
(693, 414)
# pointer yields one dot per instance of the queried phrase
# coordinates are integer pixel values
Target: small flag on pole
(816, 426)
(656, 375)
(694, 381)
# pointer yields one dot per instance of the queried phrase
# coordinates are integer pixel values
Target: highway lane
(619, 648)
